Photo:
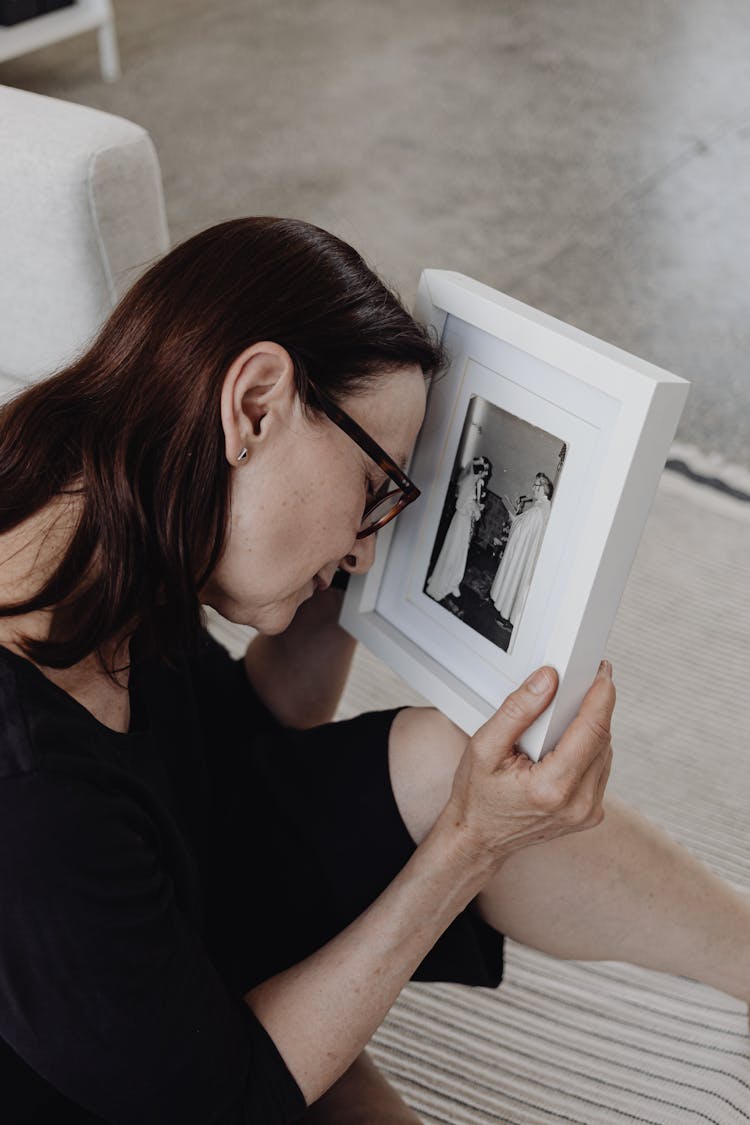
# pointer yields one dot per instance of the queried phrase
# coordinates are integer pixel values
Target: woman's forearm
(322, 1012)
(300, 673)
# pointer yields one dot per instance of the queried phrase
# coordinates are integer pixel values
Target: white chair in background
(83, 15)
(81, 216)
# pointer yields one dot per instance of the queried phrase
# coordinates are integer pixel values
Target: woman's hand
(502, 801)
(300, 674)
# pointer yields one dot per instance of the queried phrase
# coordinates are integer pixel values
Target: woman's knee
(424, 749)
(362, 1096)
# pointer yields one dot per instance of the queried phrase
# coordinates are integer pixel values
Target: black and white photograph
(494, 519)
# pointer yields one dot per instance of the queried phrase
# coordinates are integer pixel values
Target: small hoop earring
(242, 455)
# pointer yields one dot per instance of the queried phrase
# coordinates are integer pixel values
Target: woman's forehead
(392, 411)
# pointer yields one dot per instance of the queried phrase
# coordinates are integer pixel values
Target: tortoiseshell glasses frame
(407, 491)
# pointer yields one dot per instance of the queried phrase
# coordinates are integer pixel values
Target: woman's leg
(623, 891)
(361, 1096)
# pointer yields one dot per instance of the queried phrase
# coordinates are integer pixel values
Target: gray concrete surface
(590, 157)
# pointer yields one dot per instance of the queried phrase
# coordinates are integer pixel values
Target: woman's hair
(133, 425)
(549, 488)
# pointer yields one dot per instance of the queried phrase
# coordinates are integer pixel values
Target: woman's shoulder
(69, 792)
(39, 720)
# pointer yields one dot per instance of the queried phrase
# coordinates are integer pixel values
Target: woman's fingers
(586, 807)
(494, 742)
(587, 737)
(604, 777)
(503, 801)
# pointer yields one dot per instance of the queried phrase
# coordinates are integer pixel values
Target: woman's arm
(300, 674)
(321, 1012)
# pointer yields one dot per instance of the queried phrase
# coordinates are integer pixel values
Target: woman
(513, 578)
(451, 562)
(210, 894)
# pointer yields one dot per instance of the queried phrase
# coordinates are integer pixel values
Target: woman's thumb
(496, 738)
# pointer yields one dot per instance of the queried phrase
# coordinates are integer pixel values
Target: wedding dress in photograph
(451, 564)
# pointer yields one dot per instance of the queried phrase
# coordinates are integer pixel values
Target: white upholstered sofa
(81, 215)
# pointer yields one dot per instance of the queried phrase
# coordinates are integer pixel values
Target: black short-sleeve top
(111, 1005)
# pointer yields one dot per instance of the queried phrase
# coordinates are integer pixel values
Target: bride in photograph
(513, 577)
(451, 564)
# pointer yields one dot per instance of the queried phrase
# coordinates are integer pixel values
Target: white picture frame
(534, 383)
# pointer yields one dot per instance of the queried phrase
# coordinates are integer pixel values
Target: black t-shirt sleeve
(106, 990)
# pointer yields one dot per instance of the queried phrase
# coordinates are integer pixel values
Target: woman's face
(539, 489)
(297, 499)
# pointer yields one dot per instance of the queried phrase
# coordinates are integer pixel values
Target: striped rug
(603, 1042)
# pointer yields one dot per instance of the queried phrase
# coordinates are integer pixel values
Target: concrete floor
(589, 157)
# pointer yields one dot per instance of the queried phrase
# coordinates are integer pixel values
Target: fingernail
(605, 669)
(539, 682)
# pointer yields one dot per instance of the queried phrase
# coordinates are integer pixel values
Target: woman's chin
(269, 619)
(269, 628)
(274, 619)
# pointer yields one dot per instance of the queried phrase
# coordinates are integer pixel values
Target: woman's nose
(361, 557)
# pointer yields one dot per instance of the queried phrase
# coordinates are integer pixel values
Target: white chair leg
(109, 54)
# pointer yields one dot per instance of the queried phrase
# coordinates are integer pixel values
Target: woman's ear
(259, 388)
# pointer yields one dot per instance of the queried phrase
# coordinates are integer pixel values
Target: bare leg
(623, 891)
(361, 1096)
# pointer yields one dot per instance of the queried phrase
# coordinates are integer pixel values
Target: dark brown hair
(134, 423)
(549, 488)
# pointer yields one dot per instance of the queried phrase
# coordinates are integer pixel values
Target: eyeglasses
(383, 508)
